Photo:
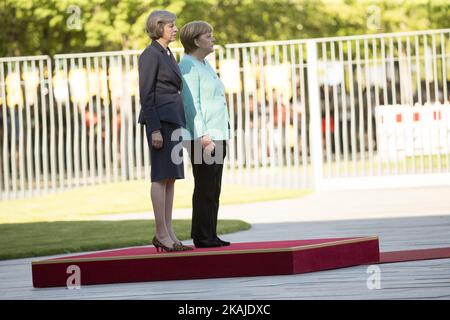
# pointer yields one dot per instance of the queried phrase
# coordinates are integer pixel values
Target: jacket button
(179, 92)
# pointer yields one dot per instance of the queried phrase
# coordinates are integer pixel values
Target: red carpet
(237, 260)
(413, 255)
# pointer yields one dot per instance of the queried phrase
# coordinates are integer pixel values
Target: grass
(70, 221)
(22, 240)
(88, 203)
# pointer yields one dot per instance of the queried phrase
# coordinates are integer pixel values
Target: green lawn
(47, 238)
(87, 203)
(68, 222)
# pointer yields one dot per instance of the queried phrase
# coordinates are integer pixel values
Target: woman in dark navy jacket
(162, 113)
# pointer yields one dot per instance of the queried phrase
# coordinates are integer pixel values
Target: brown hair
(156, 22)
(191, 31)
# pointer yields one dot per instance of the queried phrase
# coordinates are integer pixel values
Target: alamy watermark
(74, 280)
(198, 153)
(373, 18)
(374, 280)
(73, 22)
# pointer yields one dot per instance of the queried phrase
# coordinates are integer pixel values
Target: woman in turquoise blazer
(207, 130)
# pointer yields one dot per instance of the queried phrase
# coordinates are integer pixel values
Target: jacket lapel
(173, 63)
(169, 59)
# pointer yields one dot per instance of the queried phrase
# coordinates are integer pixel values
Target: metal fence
(343, 112)
(386, 117)
(27, 135)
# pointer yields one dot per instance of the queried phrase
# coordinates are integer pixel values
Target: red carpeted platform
(414, 255)
(237, 260)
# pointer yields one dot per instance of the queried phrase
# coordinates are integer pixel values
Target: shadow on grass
(23, 240)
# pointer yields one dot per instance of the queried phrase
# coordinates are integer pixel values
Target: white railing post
(315, 125)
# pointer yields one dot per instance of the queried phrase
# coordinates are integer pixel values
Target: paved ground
(402, 218)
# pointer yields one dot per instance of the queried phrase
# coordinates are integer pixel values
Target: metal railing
(366, 136)
(329, 112)
(27, 135)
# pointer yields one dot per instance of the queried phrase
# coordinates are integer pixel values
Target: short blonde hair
(191, 31)
(156, 22)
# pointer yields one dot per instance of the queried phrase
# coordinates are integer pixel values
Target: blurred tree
(31, 27)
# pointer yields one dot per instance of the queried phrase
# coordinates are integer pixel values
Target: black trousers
(207, 173)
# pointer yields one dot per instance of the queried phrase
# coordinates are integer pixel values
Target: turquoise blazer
(205, 106)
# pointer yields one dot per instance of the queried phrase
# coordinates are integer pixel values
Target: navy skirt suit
(162, 108)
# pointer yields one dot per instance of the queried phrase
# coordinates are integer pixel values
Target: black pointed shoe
(207, 243)
(222, 242)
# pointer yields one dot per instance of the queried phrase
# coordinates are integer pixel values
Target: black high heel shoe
(159, 246)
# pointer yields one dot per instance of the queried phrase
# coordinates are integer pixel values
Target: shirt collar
(195, 59)
(158, 46)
